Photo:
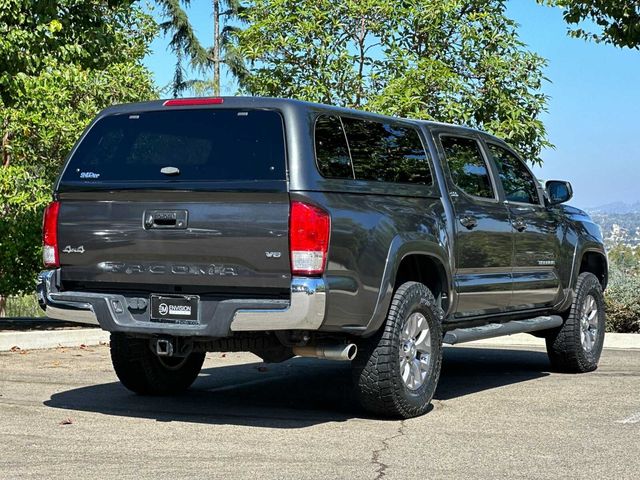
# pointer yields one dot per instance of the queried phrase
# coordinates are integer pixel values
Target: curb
(622, 341)
(52, 339)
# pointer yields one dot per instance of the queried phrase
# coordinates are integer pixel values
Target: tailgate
(216, 240)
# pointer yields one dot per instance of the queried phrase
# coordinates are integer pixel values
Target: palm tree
(186, 46)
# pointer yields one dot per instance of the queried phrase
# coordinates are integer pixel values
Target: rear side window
(332, 152)
(376, 151)
(518, 184)
(199, 144)
(467, 166)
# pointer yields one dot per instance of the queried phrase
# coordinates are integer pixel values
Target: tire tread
(377, 386)
(563, 344)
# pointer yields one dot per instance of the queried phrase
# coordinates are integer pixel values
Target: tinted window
(386, 152)
(517, 182)
(332, 153)
(467, 166)
(205, 145)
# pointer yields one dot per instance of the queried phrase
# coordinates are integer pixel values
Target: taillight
(309, 228)
(182, 102)
(50, 235)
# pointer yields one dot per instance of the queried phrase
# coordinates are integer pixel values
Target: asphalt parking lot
(498, 413)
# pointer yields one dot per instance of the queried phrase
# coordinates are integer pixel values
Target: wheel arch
(594, 261)
(426, 269)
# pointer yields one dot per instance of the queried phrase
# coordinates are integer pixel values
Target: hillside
(619, 221)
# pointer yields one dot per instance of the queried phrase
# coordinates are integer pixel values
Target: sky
(593, 116)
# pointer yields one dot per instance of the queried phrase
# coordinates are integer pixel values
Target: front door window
(518, 183)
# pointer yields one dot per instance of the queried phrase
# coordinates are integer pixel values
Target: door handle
(162, 219)
(469, 222)
(519, 225)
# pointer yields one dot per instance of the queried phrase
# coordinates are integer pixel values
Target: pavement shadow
(295, 394)
(466, 371)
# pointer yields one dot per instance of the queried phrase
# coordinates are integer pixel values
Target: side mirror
(558, 192)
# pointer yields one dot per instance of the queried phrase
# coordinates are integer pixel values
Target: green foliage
(623, 301)
(25, 306)
(617, 21)
(62, 62)
(93, 34)
(625, 258)
(23, 195)
(456, 61)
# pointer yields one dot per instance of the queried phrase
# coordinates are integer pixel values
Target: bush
(623, 301)
(25, 306)
(23, 196)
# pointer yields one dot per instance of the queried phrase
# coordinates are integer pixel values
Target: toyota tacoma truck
(286, 228)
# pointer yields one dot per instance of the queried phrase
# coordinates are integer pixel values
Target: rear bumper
(113, 312)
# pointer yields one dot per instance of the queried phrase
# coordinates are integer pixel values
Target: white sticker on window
(89, 175)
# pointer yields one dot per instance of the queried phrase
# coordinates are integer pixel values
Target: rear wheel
(143, 372)
(576, 346)
(396, 370)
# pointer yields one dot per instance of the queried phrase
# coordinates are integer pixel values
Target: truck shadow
(298, 393)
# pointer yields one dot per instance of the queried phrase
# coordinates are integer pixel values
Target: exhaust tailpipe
(330, 351)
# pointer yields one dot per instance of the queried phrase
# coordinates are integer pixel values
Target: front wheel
(576, 346)
(396, 370)
(143, 372)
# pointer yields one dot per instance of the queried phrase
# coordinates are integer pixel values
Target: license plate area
(176, 309)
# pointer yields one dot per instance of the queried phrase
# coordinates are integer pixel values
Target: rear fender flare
(400, 248)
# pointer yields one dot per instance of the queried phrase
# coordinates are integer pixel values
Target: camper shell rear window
(185, 145)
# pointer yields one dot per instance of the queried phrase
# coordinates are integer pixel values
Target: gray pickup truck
(288, 228)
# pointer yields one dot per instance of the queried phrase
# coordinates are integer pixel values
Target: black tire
(143, 372)
(565, 347)
(378, 381)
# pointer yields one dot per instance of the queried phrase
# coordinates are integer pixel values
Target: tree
(618, 21)
(456, 61)
(185, 44)
(60, 63)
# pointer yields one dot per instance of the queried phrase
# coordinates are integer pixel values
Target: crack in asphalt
(376, 454)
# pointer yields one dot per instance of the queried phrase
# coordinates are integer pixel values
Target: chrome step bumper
(306, 311)
(70, 307)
